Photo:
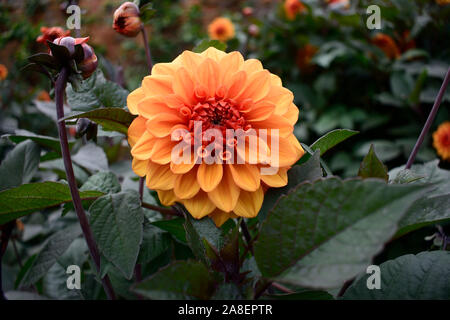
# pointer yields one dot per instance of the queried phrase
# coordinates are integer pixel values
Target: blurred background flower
(221, 29)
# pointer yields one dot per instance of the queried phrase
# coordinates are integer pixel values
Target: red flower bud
(89, 63)
(126, 20)
(247, 11)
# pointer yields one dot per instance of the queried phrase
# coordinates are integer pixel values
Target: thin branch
(247, 236)
(59, 97)
(261, 288)
(429, 121)
(165, 211)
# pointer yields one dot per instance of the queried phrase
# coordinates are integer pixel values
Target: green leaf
(19, 165)
(205, 44)
(406, 176)
(116, 221)
(91, 157)
(57, 166)
(302, 295)
(55, 246)
(181, 280)
(331, 139)
(434, 207)
(103, 181)
(372, 167)
(425, 276)
(96, 92)
(324, 233)
(154, 242)
(111, 119)
(402, 85)
(44, 141)
(147, 12)
(45, 59)
(414, 97)
(308, 171)
(28, 198)
(199, 230)
(174, 226)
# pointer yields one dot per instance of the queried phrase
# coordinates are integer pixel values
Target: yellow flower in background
(3, 72)
(292, 8)
(387, 44)
(221, 29)
(441, 140)
(222, 92)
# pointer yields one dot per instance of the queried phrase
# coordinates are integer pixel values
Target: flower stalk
(150, 67)
(84, 223)
(429, 121)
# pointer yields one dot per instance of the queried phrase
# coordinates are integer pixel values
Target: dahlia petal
(219, 217)
(154, 106)
(164, 69)
(249, 203)
(207, 75)
(245, 176)
(280, 179)
(186, 185)
(159, 177)
(292, 114)
(143, 148)
(281, 97)
(230, 64)
(236, 84)
(139, 166)
(190, 60)
(274, 122)
(260, 111)
(209, 176)
(162, 150)
(288, 152)
(226, 194)
(252, 65)
(183, 86)
(162, 124)
(213, 53)
(275, 80)
(199, 206)
(166, 197)
(258, 86)
(136, 130)
(133, 99)
(253, 154)
(157, 84)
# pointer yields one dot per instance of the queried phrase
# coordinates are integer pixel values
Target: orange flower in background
(387, 44)
(443, 2)
(292, 8)
(304, 57)
(441, 140)
(3, 72)
(221, 29)
(126, 20)
(43, 96)
(406, 42)
(50, 34)
(222, 92)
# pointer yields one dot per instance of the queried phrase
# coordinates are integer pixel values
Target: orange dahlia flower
(441, 140)
(50, 34)
(222, 93)
(292, 8)
(442, 2)
(43, 96)
(387, 44)
(3, 72)
(221, 29)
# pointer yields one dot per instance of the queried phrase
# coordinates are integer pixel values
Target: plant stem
(261, 288)
(59, 97)
(166, 211)
(247, 236)
(429, 121)
(150, 67)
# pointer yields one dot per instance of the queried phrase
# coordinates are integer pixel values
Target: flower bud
(253, 30)
(89, 63)
(126, 20)
(247, 11)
